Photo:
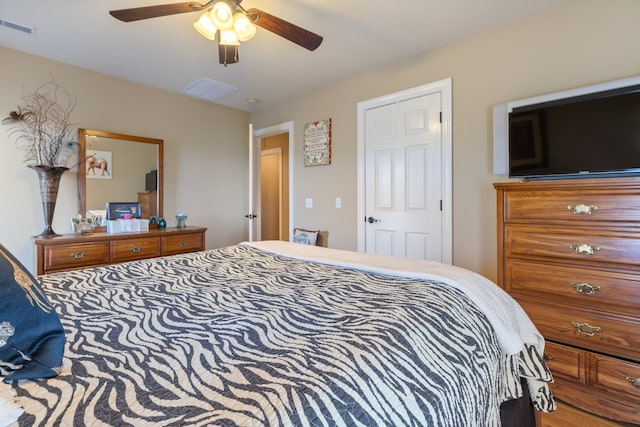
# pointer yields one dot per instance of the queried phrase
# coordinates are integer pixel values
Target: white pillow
(305, 237)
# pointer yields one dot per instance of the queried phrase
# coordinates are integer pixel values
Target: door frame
(444, 87)
(258, 135)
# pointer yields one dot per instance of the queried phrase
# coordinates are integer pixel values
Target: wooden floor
(568, 416)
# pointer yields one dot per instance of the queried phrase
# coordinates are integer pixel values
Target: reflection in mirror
(119, 168)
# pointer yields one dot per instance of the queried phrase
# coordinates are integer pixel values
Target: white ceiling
(167, 53)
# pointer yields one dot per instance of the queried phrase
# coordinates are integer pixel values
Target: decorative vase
(49, 177)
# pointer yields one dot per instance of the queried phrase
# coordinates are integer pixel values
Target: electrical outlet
(308, 203)
(338, 202)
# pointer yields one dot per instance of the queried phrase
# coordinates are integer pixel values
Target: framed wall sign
(317, 143)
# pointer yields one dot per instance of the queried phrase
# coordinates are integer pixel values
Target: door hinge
(440, 116)
(440, 204)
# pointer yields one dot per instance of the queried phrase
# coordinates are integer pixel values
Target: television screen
(152, 180)
(588, 135)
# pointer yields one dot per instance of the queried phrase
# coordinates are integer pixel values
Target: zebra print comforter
(240, 336)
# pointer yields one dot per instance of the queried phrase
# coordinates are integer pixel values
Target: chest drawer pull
(78, 255)
(585, 288)
(585, 249)
(582, 209)
(586, 329)
(547, 357)
(136, 249)
(183, 244)
(634, 381)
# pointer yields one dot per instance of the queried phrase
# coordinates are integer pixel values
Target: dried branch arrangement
(43, 126)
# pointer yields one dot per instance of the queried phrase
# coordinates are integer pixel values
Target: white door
(404, 192)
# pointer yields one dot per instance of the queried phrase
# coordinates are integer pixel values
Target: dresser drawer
(572, 206)
(64, 257)
(617, 335)
(582, 286)
(131, 249)
(565, 362)
(593, 246)
(619, 375)
(181, 243)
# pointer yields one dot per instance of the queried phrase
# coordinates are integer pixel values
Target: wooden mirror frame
(82, 165)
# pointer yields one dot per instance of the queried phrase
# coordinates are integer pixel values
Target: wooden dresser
(72, 252)
(569, 253)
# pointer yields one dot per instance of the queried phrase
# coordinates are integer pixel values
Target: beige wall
(580, 43)
(205, 145)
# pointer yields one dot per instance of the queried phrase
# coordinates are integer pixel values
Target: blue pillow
(31, 336)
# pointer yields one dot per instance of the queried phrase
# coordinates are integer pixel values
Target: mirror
(115, 168)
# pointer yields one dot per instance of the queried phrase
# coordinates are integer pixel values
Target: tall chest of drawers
(569, 253)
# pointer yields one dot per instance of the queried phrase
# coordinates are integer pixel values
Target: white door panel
(403, 178)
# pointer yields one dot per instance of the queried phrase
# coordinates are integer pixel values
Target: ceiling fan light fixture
(232, 27)
(205, 27)
(244, 27)
(222, 15)
(228, 38)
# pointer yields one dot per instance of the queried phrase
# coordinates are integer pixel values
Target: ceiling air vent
(17, 27)
(208, 89)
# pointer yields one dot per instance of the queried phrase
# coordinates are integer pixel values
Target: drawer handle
(586, 329)
(634, 381)
(582, 209)
(585, 288)
(78, 255)
(585, 249)
(547, 357)
(183, 244)
(136, 249)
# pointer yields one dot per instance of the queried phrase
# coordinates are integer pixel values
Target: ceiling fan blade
(285, 29)
(139, 13)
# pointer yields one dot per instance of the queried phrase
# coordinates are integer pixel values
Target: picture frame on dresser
(118, 210)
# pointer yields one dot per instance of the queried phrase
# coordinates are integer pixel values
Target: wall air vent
(17, 27)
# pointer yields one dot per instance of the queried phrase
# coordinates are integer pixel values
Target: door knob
(371, 220)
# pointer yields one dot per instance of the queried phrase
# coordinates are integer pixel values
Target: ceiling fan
(229, 26)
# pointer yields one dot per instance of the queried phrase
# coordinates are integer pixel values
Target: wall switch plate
(338, 202)
(308, 203)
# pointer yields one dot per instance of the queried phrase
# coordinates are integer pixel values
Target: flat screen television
(597, 134)
(152, 180)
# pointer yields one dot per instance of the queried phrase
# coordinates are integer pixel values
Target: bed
(283, 334)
